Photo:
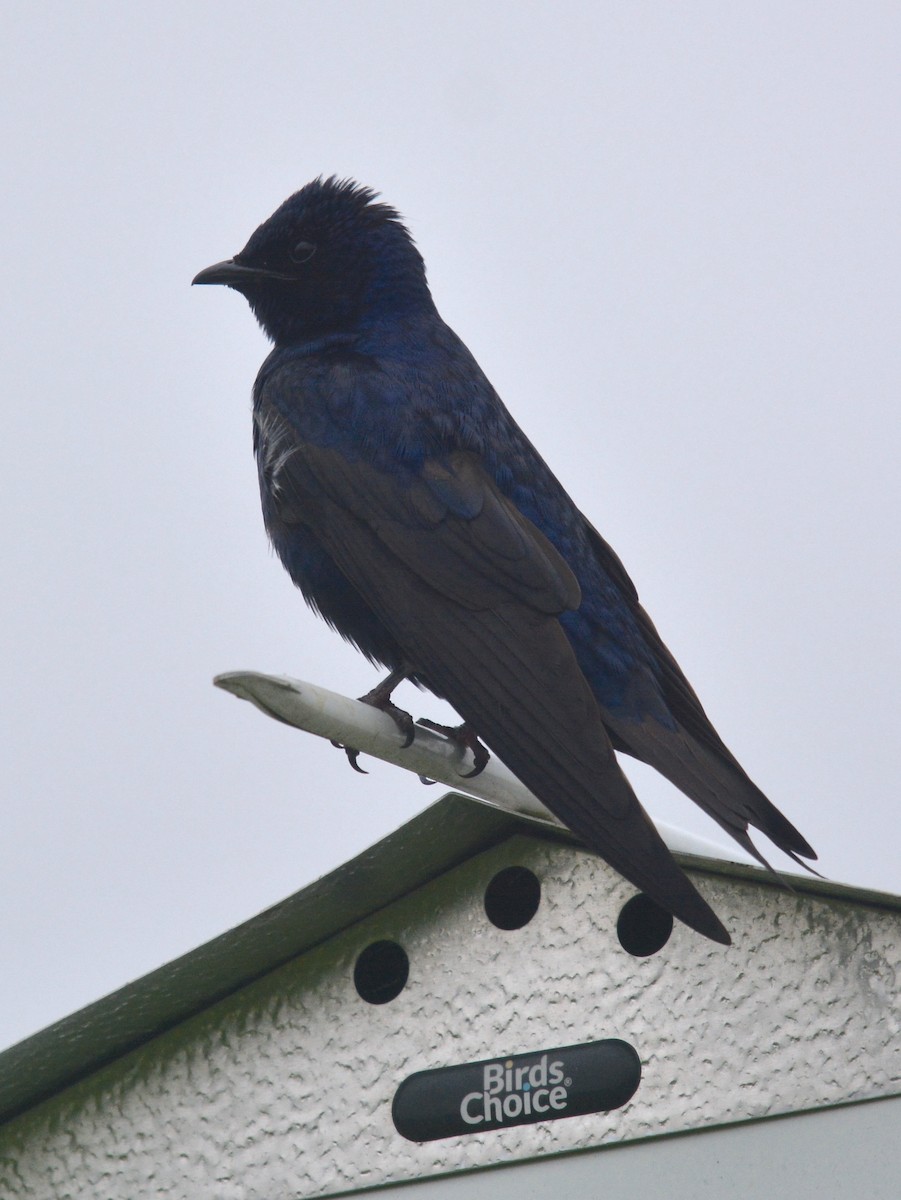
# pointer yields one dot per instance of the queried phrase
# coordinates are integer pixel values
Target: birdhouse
(476, 1006)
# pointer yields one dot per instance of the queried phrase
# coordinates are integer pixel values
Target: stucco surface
(284, 1089)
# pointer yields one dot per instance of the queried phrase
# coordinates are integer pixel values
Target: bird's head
(328, 260)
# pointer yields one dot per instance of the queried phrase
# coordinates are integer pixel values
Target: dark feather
(470, 624)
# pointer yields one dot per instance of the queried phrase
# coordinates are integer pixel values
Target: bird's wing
(693, 756)
(471, 591)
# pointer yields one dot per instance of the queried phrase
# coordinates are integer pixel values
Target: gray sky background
(670, 235)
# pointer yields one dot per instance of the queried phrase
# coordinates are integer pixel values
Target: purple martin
(420, 522)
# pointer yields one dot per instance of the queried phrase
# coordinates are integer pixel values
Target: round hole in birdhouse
(381, 971)
(512, 898)
(643, 927)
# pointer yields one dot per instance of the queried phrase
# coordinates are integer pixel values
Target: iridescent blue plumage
(418, 519)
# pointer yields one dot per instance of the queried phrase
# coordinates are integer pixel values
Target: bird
(421, 523)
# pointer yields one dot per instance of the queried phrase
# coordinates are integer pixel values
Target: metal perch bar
(330, 715)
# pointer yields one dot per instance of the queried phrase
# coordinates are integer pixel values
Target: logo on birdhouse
(520, 1089)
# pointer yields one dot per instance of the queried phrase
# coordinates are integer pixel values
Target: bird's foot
(380, 698)
(467, 739)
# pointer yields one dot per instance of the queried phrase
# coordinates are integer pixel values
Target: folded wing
(472, 591)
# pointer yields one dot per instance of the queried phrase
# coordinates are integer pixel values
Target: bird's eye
(303, 252)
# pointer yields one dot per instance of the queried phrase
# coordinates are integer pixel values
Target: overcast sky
(670, 235)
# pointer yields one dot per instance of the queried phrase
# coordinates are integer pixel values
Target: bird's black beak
(228, 272)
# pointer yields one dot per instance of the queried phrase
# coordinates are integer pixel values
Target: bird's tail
(716, 783)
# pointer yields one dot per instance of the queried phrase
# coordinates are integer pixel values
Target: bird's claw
(403, 721)
(352, 756)
(481, 759)
(467, 739)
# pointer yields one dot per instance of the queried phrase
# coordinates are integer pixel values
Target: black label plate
(518, 1089)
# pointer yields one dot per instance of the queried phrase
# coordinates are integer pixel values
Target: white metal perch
(330, 715)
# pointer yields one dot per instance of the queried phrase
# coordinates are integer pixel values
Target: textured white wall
(285, 1089)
